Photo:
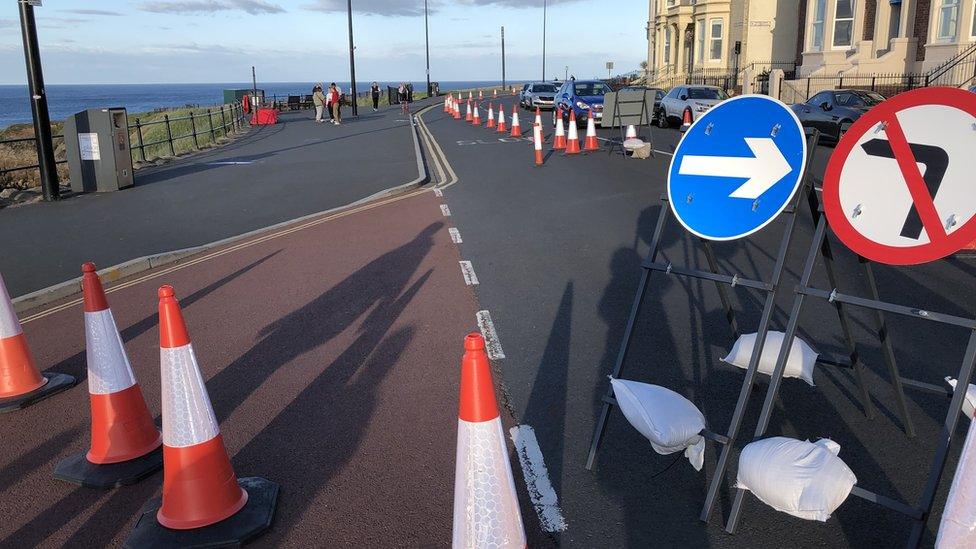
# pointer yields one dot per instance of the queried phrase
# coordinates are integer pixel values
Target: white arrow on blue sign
(737, 167)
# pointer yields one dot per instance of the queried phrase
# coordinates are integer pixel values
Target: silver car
(539, 94)
(695, 100)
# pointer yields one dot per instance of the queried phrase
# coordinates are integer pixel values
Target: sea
(65, 100)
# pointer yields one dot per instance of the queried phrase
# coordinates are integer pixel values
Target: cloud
(95, 12)
(407, 8)
(253, 7)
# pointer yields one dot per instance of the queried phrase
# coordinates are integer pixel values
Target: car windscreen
(590, 89)
(706, 93)
(544, 88)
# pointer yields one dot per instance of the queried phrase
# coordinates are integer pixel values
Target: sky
(202, 41)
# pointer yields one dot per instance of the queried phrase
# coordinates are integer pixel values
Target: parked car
(972, 89)
(833, 111)
(521, 94)
(581, 96)
(693, 99)
(658, 96)
(539, 94)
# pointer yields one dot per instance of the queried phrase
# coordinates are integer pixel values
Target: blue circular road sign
(737, 167)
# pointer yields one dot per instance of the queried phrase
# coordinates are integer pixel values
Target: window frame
(819, 10)
(700, 42)
(943, 9)
(833, 33)
(972, 26)
(712, 40)
(667, 45)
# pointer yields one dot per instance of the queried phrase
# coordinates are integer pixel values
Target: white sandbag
(799, 364)
(958, 527)
(800, 478)
(670, 421)
(968, 405)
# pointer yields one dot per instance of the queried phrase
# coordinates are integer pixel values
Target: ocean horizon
(67, 99)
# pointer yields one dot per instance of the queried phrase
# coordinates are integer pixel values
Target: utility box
(97, 143)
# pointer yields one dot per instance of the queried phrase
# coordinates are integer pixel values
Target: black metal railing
(221, 121)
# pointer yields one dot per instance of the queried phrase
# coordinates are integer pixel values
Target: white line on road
(470, 278)
(487, 327)
(438, 192)
(230, 163)
(541, 492)
(455, 235)
(445, 210)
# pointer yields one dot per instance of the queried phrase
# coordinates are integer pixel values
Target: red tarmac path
(331, 355)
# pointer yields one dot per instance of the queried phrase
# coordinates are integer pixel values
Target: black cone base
(78, 470)
(248, 523)
(55, 384)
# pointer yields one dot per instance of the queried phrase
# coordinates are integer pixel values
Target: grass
(154, 136)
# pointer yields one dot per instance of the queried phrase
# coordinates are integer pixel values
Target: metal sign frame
(723, 282)
(617, 119)
(820, 247)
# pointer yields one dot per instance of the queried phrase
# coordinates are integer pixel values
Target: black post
(193, 126)
(352, 62)
(254, 87)
(213, 134)
(142, 148)
(42, 118)
(427, 40)
(544, 7)
(503, 57)
(169, 135)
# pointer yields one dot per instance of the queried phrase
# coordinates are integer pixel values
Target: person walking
(375, 92)
(318, 99)
(402, 97)
(334, 101)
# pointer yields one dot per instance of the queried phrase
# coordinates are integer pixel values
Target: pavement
(331, 349)
(271, 175)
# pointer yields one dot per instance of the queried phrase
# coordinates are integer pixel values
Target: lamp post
(544, 8)
(503, 57)
(352, 64)
(427, 40)
(38, 101)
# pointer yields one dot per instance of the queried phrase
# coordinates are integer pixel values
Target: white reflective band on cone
(9, 325)
(537, 137)
(188, 417)
(486, 508)
(958, 528)
(573, 135)
(109, 370)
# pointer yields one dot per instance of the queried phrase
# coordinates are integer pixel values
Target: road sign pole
(38, 100)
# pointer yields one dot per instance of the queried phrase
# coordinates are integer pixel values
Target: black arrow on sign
(936, 163)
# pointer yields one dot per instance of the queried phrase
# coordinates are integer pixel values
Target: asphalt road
(271, 175)
(557, 250)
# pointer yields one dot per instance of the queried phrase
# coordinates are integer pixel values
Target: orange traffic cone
(200, 490)
(457, 107)
(559, 141)
(538, 116)
(447, 103)
(470, 96)
(686, 120)
(573, 144)
(631, 132)
(494, 94)
(21, 384)
(537, 141)
(125, 443)
(501, 119)
(476, 119)
(516, 128)
(491, 116)
(486, 506)
(481, 95)
(469, 117)
(591, 143)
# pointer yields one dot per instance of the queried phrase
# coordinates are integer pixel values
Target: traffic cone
(125, 443)
(538, 116)
(501, 119)
(686, 120)
(491, 116)
(573, 144)
(537, 141)
(591, 142)
(494, 94)
(203, 503)
(447, 103)
(470, 96)
(481, 95)
(21, 384)
(516, 128)
(631, 132)
(559, 141)
(486, 507)
(469, 116)
(476, 119)
(457, 108)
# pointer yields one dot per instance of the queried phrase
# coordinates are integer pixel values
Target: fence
(191, 132)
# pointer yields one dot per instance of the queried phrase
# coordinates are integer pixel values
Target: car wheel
(662, 120)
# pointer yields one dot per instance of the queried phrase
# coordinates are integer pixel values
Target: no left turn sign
(900, 187)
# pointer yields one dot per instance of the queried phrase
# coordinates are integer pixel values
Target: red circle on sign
(937, 248)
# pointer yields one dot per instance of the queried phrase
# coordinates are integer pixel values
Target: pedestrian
(334, 101)
(375, 92)
(402, 97)
(318, 99)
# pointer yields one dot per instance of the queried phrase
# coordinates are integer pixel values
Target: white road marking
(470, 278)
(663, 152)
(540, 489)
(455, 235)
(445, 210)
(438, 192)
(231, 163)
(487, 327)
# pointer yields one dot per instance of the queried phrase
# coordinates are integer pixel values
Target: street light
(352, 63)
(38, 101)
(544, 6)
(427, 40)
